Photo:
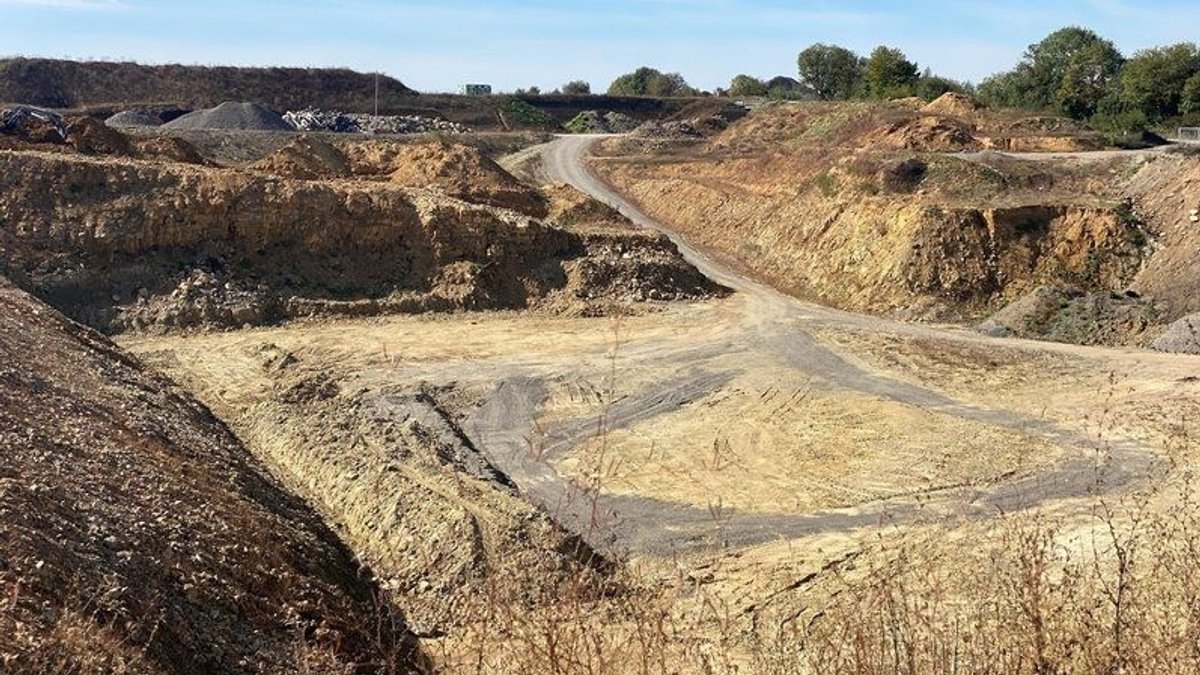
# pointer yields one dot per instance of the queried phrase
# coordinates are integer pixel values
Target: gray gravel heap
(232, 116)
(1181, 337)
(138, 117)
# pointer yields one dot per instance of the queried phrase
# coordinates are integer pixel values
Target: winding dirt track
(774, 326)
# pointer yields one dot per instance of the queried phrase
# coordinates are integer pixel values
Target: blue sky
(433, 46)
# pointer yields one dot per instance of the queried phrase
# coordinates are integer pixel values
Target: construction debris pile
(669, 131)
(33, 124)
(313, 119)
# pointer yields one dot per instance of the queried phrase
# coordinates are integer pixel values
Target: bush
(518, 113)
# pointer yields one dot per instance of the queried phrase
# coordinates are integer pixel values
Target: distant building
(475, 90)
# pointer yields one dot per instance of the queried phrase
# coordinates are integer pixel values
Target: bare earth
(744, 420)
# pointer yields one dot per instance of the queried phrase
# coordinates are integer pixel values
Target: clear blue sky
(433, 46)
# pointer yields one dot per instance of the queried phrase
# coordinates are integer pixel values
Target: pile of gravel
(138, 117)
(1181, 337)
(231, 116)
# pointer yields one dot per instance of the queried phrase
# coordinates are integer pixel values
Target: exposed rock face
(94, 236)
(969, 255)
(137, 534)
(122, 244)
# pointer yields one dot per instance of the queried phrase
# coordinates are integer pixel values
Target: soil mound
(465, 173)
(92, 137)
(231, 116)
(170, 148)
(952, 103)
(725, 110)
(137, 534)
(669, 131)
(570, 208)
(306, 158)
(928, 133)
(1181, 337)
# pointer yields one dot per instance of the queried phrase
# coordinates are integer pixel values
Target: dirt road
(770, 327)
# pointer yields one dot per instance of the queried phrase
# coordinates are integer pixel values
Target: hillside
(138, 535)
(73, 84)
(901, 209)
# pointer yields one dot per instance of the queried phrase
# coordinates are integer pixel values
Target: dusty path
(773, 327)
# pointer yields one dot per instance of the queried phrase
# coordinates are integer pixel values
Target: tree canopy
(746, 85)
(1153, 81)
(831, 71)
(889, 74)
(577, 88)
(1071, 70)
(646, 81)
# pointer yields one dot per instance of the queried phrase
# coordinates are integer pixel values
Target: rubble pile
(313, 119)
(33, 124)
(669, 131)
(598, 122)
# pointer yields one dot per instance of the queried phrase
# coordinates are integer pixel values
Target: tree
(1154, 79)
(746, 85)
(1089, 77)
(1070, 70)
(831, 71)
(577, 88)
(1006, 90)
(1189, 103)
(889, 74)
(647, 81)
(930, 86)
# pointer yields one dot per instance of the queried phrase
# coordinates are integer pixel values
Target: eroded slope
(138, 535)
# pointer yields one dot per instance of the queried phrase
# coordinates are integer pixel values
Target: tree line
(1072, 71)
(1077, 73)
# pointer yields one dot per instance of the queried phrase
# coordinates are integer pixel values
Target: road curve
(772, 324)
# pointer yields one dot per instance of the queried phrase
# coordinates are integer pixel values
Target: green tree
(1189, 103)
(1089, 77)
(577, 88)
(1070, 70)
(746, 85)
(930, 86)
(646, 81)
(889, 74)
(1153, 81)
(831, 71)
(633, 84)
(1006, 90)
